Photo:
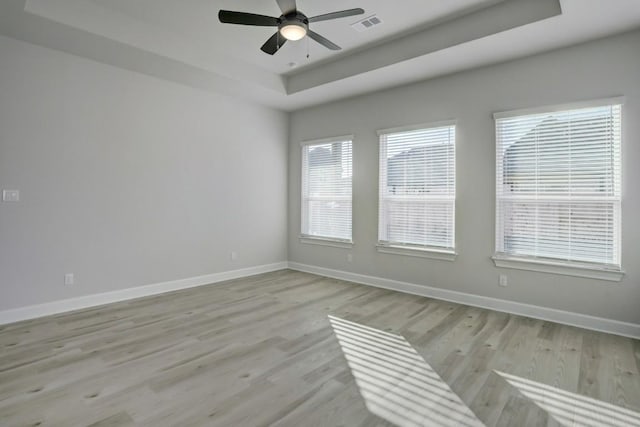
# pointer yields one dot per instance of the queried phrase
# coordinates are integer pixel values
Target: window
(558, 186)
(326, 190)
(417, 189)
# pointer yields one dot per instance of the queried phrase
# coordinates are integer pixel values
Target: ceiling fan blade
(336, 15)
(274, 43)
(324, 42)
(287, 6)
(242, 18)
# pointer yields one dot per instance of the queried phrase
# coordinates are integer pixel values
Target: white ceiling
(183, 41)
(197, 21)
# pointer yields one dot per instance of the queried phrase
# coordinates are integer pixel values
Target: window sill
(565, 269)
(442, 255)
(322, 241)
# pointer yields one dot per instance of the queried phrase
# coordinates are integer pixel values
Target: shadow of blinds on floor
(397, 384)
(571, 409)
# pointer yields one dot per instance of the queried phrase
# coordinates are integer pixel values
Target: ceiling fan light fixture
(293, 30)
(292, 24)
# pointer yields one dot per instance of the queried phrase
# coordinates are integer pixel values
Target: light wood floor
(261, 351)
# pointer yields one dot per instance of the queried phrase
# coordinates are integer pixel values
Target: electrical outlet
(69, 279)
(503, 280)
(349, 258)
(10, 195)
(234, 255)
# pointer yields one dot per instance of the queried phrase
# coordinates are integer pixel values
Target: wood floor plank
(260, 351)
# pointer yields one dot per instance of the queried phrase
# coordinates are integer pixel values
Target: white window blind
(417, 188)
(558, 185)
(326, 190)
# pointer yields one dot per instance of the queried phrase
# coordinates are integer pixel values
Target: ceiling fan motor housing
(294, 25)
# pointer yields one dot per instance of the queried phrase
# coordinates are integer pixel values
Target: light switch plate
(10, 195)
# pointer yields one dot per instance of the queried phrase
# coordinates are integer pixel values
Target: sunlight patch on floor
(571, 409)
(397, 384)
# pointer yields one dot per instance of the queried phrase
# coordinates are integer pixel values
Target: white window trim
(561, 107)
(612, 274)
(567, 268)
(442, 123)
(325, 241)
(319, 240)
(395, 248)
(417, 251)
(339, 138)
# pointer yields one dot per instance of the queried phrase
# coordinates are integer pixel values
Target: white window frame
(406, 249)
(323, 240)
(551, 265)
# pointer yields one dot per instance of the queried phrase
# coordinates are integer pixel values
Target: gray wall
(128, 180)
(599, 69)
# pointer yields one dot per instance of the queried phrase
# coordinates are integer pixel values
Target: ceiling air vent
(366, 23)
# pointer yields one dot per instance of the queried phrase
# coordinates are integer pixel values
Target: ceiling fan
(292, 24)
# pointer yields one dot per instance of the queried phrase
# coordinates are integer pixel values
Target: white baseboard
(565, 317)
(61, 306)
(568, 318)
